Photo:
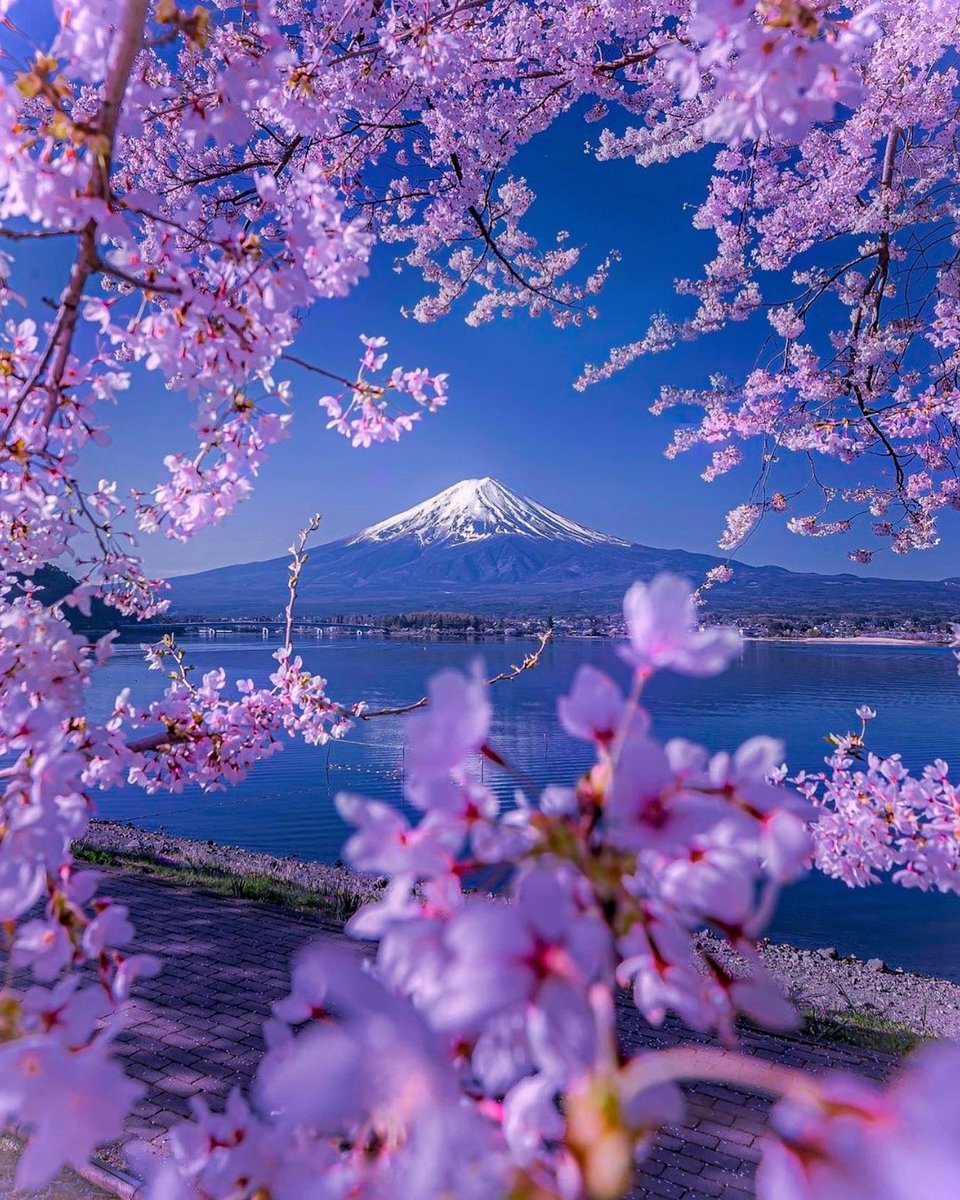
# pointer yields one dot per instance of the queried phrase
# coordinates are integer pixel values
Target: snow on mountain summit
(475, 509)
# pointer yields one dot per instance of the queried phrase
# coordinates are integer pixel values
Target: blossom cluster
(876, 819)
(213, 733)
(367, 416)
(58, 1078)
(778, 66)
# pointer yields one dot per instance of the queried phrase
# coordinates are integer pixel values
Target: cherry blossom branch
(173, 737)
(297, 563)
(26, 235)
(708, 1064)
(308, 366)
(128, 43)
(629, 60)
(530, 661)
(169, 738)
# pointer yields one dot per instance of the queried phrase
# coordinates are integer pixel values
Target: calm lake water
(797, 692)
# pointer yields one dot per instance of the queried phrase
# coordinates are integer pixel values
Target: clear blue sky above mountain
(513, 413)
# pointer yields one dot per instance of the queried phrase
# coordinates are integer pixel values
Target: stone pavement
(194, 1030)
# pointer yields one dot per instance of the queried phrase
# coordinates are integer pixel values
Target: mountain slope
(478, 546)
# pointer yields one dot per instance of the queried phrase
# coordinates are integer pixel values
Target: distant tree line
(458, 622)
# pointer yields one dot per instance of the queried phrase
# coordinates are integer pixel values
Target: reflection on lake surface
(795, 691)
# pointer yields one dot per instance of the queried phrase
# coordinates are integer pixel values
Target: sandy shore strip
(818, 981)
(866, 639)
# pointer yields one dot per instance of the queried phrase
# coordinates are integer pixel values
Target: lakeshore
(606, 628)
(824, 985)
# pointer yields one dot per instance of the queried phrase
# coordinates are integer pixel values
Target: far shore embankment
(853, 640)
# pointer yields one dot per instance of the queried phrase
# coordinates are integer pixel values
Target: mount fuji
(474, 510)
(479, 547)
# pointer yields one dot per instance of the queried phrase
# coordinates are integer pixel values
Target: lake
(795, 691)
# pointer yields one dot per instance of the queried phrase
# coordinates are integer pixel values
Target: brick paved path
(195, 1030)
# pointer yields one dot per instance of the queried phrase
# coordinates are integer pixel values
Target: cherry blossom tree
(210, 174)
(842, 241)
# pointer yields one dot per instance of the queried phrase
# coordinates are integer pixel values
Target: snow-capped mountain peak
(474, 509)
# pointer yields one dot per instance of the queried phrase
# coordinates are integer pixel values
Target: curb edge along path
(112, 1180)
(195, 1031)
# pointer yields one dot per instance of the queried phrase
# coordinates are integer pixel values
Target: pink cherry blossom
(386, 843)
(454, 726)
(646, 807)
(594, 708)
(662, 631)
(853, 1140)
(67, 1102)
(541, 951)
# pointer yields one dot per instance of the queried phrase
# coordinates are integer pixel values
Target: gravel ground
(814, 979)
(821, 980)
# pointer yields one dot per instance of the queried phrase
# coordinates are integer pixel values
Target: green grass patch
(862, 1029)
(337, 903)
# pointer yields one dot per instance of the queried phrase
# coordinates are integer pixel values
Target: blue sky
(513, 413)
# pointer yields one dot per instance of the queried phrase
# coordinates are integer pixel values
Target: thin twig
(23, 235)
(529, 662)
(308, 366)
(511, 270)
(297, 563)
(146, 285)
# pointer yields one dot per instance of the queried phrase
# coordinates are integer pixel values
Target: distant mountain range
(479, 547)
